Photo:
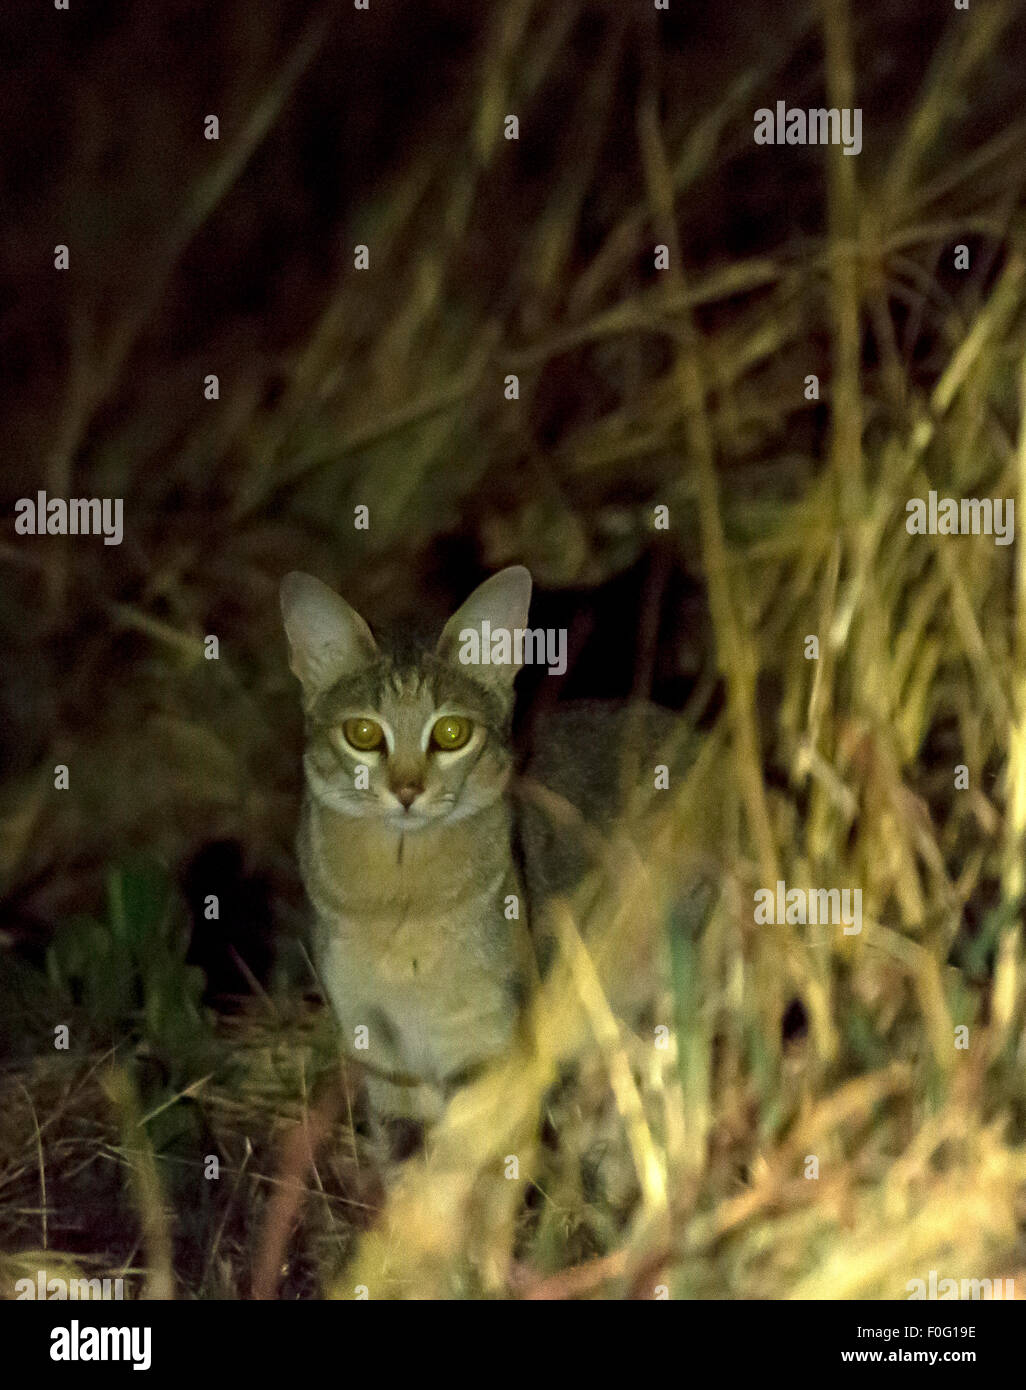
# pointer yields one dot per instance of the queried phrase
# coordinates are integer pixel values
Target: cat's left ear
(503, 602)
(327, 638)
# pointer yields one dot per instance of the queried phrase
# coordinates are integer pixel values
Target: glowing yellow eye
(451, 731)
(363, 734)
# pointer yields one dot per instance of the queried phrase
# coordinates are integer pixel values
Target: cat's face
(410, 739)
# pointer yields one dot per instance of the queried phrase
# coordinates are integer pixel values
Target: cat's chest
(419, 986)
(437, 911)
(416, 938)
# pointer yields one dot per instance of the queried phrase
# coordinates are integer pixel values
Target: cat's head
(408, 738)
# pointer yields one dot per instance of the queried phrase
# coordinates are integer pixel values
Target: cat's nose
(407, 795)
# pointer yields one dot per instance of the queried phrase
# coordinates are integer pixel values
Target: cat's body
(427, 863)
(413, 945)
(431, 867)
(405, 844)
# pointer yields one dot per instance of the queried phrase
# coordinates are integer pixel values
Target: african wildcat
(405, 841)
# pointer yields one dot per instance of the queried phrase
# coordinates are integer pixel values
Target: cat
(431, 856)
(406, 842)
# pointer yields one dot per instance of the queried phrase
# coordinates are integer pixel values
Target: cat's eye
(451, 732)
(365, 735)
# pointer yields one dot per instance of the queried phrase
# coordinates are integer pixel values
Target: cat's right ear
(327, 638)
(503, 602)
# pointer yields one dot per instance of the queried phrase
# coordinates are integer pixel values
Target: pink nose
(408, 795)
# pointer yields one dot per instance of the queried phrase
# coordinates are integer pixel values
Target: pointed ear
(503, 601)
(327, 638)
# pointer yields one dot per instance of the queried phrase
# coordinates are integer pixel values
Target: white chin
(403, 820)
